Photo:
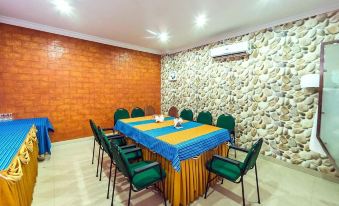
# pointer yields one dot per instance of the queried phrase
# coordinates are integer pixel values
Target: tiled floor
(68, 178)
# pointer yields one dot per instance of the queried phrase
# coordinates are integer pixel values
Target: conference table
(182, 152)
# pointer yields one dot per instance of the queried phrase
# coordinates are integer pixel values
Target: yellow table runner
(184, 135)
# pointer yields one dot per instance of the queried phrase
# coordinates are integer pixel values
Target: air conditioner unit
(237, 48)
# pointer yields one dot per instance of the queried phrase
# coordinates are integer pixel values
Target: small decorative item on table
(178, 123)
(159, 118)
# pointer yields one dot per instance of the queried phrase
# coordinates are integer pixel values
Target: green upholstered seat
(119, 141)
(120, 114)
(234, 170)
(147, 178)
(186, 114)
(228, 171)
(137, 112)
(132, 155)
(205, 118)
(107, 142)
(141, 174)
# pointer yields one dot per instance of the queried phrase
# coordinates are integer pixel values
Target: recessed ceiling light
(163, 36)
(200, 20)
(63, 6)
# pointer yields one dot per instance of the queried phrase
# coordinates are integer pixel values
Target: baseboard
(314, 173)
(71, 141)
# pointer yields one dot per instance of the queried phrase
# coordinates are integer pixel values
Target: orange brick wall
(70, 80)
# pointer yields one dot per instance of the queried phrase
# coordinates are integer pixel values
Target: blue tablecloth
(11, 139)
(177, 148)
(43, 126)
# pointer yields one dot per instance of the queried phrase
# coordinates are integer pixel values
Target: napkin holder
(178, 123)
(159, 118)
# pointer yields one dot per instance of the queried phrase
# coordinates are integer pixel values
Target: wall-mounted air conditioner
(237, 48)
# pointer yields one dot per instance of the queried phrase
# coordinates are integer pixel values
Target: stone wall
(262, 90)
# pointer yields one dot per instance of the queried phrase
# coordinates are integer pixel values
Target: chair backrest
(252, 156)
(114, 152)
(173, 112)
(205, 118)
(137, 112)
(149, 110)
(105, 144)
(186, 114)
(226, 122)
(120, 113)
(94, 130)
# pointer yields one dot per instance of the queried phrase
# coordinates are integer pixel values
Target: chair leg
(163, 191)
(242, 189)
(115, 177)
(129, 195)
(98, 160)
(208, 180)
(93, 151)
(109, 179)
(102, 159)
(256, 178)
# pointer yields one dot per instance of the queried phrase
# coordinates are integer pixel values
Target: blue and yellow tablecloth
(173, 144)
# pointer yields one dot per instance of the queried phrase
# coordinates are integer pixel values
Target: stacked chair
(234, 170)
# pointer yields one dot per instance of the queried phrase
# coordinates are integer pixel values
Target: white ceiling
(124, 22)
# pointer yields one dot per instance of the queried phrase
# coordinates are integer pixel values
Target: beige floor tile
(67, 177)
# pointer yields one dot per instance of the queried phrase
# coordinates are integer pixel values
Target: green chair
(140, 175)
(227, 121)
(186, 114)
(97, 139)
(137, 112)
(116, 138)
(205, 118)
(107, 147)
(120, 113)
(234, 170)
